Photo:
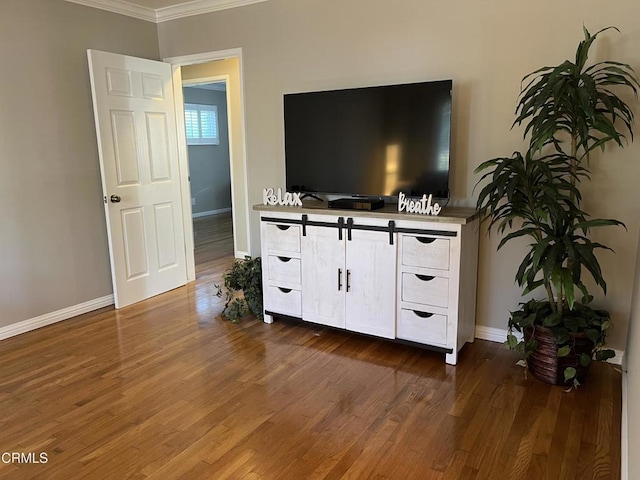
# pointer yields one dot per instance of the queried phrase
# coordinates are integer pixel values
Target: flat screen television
(372, 141)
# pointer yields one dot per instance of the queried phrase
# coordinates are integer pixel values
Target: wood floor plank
(166, 389)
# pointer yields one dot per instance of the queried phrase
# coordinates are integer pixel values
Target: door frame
(183, 158)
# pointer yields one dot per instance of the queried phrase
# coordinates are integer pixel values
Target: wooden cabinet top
(456, 215)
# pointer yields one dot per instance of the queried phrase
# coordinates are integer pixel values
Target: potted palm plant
(568, 111)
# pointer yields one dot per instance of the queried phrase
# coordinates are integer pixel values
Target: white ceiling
(163, 10)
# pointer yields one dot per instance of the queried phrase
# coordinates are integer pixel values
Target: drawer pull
(426, 239)
(284, 290)
(283, 227)
(422, 314)
(284, 259)
(424, 278)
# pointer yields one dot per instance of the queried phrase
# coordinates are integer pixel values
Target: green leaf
(528, 321)
(512, 342)
(564, 351)
(585, 359)
(567, 283)
(597, 222)
(569, 373)
(593, 335)
(604, 355)
(552, 320)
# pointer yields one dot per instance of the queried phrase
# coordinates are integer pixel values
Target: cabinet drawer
(422, 327)
(425, 251)
(284, 238)
(283, 300)
(284, 269)
(425, 289)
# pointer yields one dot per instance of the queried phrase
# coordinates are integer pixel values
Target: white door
(323, 276)
(137, 142)
(371, 277)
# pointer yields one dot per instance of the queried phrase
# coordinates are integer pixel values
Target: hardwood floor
(213, 242)
(165, 389)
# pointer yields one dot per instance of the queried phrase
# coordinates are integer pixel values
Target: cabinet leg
(268, 318)
(451, 358)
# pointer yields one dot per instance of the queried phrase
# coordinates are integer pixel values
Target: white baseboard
(241, 255)
(490, 333)
(618, 359)
(54, 317)
(624, 432)
(208, 213)
(500, 335)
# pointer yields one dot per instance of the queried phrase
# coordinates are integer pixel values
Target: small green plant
(242, 289)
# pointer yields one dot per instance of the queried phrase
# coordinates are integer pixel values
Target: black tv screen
(372, 141)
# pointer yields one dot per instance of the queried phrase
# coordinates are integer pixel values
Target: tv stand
(405, 277)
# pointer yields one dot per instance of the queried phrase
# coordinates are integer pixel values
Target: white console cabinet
(400, 276)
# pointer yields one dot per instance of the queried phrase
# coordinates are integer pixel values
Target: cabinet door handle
(284, 259)
(339, 279)
(422, 314)
(426, 239)
(283, 227)
(424, 278)
(348, 279)
(284, 290)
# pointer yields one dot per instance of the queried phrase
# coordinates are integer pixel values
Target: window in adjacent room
(202, 124)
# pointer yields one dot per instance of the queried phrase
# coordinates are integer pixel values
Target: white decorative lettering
(424, 206)
(270, 197)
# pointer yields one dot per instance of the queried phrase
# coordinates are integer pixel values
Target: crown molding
(194, 7)
(121, 7)
(197, 7)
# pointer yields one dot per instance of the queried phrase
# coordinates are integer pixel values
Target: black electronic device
(371, 141)
(357, 203)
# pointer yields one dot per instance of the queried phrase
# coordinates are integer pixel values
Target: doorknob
(115, 199)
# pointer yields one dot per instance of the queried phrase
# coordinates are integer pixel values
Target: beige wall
(486, 47)
(53, 243)
(230, 67)
(632, 360)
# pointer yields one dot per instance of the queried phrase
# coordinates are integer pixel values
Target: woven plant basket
(544, 363)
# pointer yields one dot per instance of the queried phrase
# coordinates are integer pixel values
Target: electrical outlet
(193, 201)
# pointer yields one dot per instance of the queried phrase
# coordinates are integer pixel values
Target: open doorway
(207, 133)
(214, 67)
